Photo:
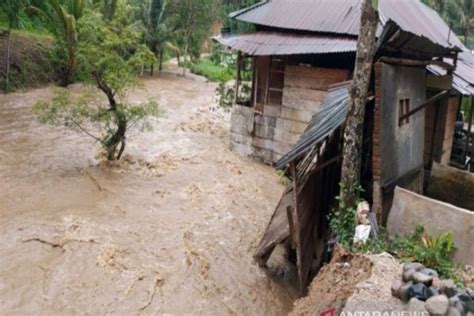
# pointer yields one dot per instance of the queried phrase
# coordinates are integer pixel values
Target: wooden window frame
(403, 109)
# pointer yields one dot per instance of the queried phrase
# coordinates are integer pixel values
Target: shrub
(211, 71)
(342, 219)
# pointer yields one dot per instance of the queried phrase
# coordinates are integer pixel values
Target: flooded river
(171, 229)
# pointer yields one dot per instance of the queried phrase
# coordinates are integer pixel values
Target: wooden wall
(444, 131)
(278, 127)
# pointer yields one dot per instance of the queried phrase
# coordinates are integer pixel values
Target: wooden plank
(277, 229)
(335, 74)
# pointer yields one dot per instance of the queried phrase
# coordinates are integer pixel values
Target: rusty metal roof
(463, 76)
(343, 17)
(419, 19)
(331, 16)
(272, 43)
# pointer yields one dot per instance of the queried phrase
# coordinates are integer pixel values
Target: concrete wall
(397, 150)
(401, 147)
(410, 209)
(270, 134)
(452, 185)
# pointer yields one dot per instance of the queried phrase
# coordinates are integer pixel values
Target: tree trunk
(7, 73)
(185, 54)
(117, 138)
(353, 131)
(152, 69)
(160, 68)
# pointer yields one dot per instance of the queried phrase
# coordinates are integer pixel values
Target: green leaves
(89, 114)
(375, 4)
(343, 219)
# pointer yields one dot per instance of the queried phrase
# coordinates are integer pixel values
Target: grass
(30, 62)
(213, 72)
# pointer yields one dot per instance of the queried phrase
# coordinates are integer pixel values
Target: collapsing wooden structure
(296, 112)
(301, 217)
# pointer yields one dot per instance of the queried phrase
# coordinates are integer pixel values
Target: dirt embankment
(334, 284)
(30, 65)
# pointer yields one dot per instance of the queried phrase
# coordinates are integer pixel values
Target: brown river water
(171, 229)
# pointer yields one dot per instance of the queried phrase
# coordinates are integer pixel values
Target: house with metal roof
(303, 55)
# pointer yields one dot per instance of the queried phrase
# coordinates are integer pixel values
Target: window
(403, 109)
(275, 81)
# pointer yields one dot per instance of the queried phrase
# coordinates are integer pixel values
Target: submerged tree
(12, 9)
(110, 56)
(61, 20)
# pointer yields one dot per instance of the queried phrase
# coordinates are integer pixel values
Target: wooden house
(303, 57)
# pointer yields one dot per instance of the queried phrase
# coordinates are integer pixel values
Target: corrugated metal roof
(343, 17)
(463, 76)
(333, 113)
(419, 19)
(331, 16)
(271, 43)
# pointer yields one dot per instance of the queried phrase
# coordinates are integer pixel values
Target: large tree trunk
(7, 60)
(350, 172)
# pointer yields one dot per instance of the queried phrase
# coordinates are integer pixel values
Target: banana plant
(61, 20)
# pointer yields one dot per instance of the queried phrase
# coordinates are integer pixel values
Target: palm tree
(61, 20)
(11, 8)
(160, 30)
(463, 11)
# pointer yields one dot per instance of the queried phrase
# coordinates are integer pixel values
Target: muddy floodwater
(171, 229)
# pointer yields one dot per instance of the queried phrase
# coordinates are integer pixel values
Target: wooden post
(237, 79)
(253, 96)
(433, 136)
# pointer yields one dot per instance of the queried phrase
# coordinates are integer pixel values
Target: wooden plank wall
(445, 131)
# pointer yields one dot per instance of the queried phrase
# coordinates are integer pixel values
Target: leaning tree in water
(109, 60)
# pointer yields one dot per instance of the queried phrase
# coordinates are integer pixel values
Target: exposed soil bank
(171, 229)
(30, 65)
(334, 284)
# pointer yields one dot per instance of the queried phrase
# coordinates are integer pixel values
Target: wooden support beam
(237, 79)
(416, 63)
(424, 104)
(325, 164)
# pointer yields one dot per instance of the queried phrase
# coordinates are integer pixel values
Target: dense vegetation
(179, 28)
(459, 14)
